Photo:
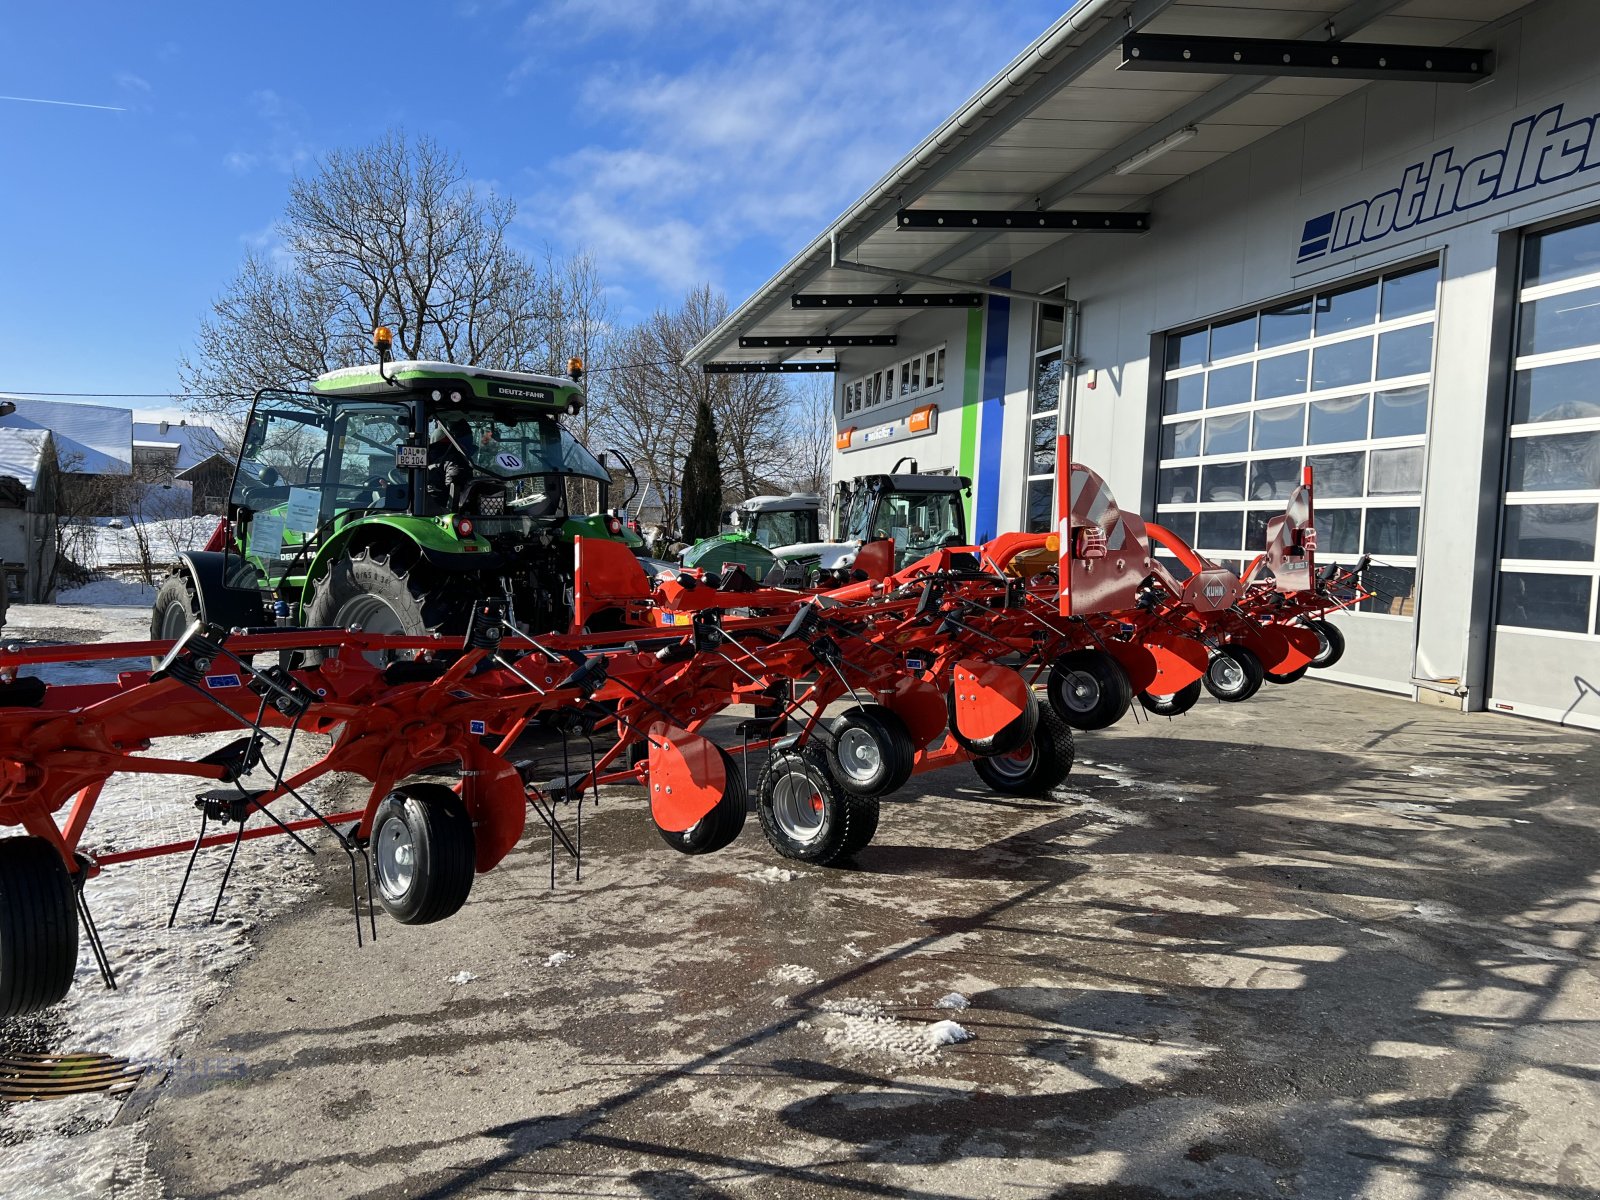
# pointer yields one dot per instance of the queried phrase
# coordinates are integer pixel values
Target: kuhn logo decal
(1538, 150)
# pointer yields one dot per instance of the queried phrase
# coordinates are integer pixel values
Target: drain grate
(48, 1076)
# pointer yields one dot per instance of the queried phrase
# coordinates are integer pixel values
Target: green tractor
(393, 496)
(761, 524)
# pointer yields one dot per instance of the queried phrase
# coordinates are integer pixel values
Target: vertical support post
(1064, 520)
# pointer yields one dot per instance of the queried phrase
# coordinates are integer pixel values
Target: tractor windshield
(773, 529)
(536, 461)
(918, 522)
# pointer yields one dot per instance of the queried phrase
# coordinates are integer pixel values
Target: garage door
(1546, 659)
(1341, 380)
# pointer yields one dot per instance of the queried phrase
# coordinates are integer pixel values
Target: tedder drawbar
(855, 689)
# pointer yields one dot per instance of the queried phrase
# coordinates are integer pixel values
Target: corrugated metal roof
(91, 439)
(1050, 130)
(22, 453)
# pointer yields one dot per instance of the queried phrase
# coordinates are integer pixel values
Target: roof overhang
(1064, 130)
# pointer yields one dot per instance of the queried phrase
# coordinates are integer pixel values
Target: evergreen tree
(702, 479)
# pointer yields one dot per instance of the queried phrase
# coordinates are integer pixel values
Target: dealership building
(1217, 243)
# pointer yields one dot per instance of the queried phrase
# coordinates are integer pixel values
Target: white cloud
(284, 146)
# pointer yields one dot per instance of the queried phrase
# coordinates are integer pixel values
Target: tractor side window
(285, 447)
(365, 458)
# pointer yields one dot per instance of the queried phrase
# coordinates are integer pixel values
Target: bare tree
(811, 434)
(388, 234)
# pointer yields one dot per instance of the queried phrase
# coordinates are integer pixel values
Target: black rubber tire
(1089, 689)
(175, 609)
(38, 926)
(1013, 737)
(719, 827)
(434, 822)
(870, 751)
(1174, 705)
(1250, 674)
(1332, 639)
(1044, 763)
(843, 823)
(420, 600)
(1288, 676)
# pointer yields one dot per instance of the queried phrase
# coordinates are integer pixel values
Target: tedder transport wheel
(1235, 674)
(1288, 676)
(38, 926)
(422, 853)
(176, 608)
(806, 814)
(872, 753)
(366, 589)
(722, 824)
(1089, 689)
(1174, 705)
(1040, 765)
(1330, 643)
(1013, 737)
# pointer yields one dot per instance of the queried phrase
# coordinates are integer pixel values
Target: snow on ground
(61, 1149)
(865, 1027)
(104, 590)
(162, 540)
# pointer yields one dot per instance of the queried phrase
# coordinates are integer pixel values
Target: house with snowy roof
(30, 486)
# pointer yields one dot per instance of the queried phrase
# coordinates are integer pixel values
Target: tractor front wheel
(176, 608)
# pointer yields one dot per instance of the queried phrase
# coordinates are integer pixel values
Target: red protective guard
(920, 704)
(687, 777)
(606, 575)
(988, 697)
(493, 793)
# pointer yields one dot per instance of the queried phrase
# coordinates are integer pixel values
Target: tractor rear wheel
(423, 853)
(366, 589)
(719, 827)
(804, 812)
(1089, 689)
(1175, 705)
(1044, 762)
(38, 926)
(1235, 674)
(1330, 643)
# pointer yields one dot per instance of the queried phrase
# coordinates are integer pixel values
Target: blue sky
(678, 140)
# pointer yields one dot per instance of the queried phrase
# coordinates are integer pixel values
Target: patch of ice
(952, 1000)
(461, 977)
(946, 1033)
(559, 957)
(1422, 772)
(793, 973)
(771, 875)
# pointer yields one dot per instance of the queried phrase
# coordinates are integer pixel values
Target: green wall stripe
(969, 393)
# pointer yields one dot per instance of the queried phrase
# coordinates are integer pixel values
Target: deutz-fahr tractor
(393, 496)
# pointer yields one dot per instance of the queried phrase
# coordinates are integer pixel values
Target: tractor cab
(394, 495)
(759, 525)
(919, 513)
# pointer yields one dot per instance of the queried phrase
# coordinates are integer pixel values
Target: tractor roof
(922, 483)
(542, 391)
(794, 502)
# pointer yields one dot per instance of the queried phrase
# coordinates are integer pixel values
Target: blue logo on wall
(1538, 150)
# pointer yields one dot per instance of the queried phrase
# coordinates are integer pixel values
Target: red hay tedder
(937, 663)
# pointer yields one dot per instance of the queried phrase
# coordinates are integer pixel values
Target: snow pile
(772, 875)
(863, 1027)
(106, 590)
(952, 1000)
(946, 1033)
(461, 977)
(559, 957)
(793, 973)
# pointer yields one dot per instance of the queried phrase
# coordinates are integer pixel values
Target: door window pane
(1535, 601)
(1255, 529)
(1556, 462)
(1228, 435)
(1284, 375)
(1391, 531)
(1051, 318)
(1400, 413)
(1405, 351)
(1274, 478)
(1562, 254)
(1560, 322)
(1338, 530)
(1180, 440)
(1222, 482)
(1046, 382)
(1229, 385)
(1556, 531)
(1184, 394)
(1338, 420)
(1335, 476)
(1179, 523)
(1291, 323)
(1396, 472)
(1409, 294)
(1040, 494)
(1560, 392)
(1186, 350)
(1280, 428)
(1042, 460)
(1394, 588)
(1221, 531)
(1176, 485)
(1348, 309)
(1342, 364)
(1236, 337)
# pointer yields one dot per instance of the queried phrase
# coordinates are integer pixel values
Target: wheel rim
(797, 806)
(1227, 673)
(174, 621)
(396, 852)
(1080, 691)
(1324, 646)
(1015, 765)
(374, 616)
(860, 756)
